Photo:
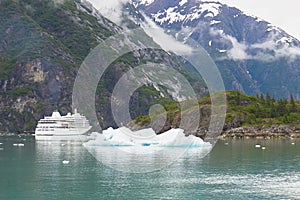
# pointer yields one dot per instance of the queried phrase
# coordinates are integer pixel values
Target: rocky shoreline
(240, 132)
(273, 131)
(16, 134)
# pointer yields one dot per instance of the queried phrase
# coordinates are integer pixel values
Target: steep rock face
(252, 55)
(42, 46)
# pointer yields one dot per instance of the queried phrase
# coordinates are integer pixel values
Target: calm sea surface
(235, 169)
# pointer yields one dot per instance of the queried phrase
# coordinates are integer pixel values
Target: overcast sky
(284, 14)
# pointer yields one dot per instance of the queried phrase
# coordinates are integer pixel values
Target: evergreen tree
(292, 102)
(268, 99)
(238, 99)
(262, 98)
(273, 100)
(281, 109)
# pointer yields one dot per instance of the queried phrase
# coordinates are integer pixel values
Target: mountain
(252, 55)
(44, 43)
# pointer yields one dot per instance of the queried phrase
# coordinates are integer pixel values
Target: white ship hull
(57, 134)
(62, 138)
(69, 134)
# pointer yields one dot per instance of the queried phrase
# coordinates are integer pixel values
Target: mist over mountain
(252, 55)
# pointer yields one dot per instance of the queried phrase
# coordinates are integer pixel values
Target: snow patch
(213, 22)
(171, 16)
(174, 14)
(146, 2)
(285, 40)
(182, 2)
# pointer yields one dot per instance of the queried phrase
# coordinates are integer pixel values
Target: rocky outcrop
(42, 46)
(34, 71)
(273, 131)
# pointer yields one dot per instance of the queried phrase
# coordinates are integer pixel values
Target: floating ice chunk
(258, 146)
(177, 138)
(65, 162)
(145, 138)
(112, 137)
(145, 133)
(19, 145)
(119, 137)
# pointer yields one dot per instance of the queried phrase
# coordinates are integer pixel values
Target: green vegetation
(75, 29)
(242, 110)
(262, 109)
(46, 35)
(20, 91)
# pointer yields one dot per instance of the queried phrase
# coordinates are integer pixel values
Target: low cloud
(238, 50)
(279, 46)
(111, 9)
(58, 2)
(275, 47)
(167, 42)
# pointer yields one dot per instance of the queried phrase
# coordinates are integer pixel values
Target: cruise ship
(56, 127)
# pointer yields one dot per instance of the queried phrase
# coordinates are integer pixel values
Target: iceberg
(144, 151)
(145, 138)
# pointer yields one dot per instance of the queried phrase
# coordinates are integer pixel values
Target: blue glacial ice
(145, 138)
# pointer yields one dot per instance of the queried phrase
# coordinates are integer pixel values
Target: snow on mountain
(220, 20)
(183, 12)
(146, 2)
(253, 55)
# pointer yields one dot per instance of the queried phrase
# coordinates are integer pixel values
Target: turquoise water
(235, 169)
